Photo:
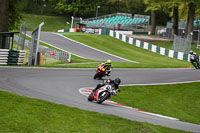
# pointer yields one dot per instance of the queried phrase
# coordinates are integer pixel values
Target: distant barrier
(58, 55)
(11, 57)
(51, 53)
(16, 57)
(150, 47)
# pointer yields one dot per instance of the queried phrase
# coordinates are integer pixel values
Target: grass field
(122, 49)
(111, 45)
(149, 59)
(181, 101)
(52, 23)
(74, 59)
(19, 114)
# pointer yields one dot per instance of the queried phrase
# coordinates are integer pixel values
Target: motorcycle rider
(196, 57)
(108, 65)
(114, 83)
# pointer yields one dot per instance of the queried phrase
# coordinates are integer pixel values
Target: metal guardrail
(58, 55)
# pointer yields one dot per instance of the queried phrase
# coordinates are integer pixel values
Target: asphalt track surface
(62, 86)
(76, 48)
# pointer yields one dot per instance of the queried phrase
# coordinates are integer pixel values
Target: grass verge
(52, 23)
(19, 114)
(52, 62)
(122, 49)
(181, 101)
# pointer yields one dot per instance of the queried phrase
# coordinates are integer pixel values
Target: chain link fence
(47, 53)
(22, 36)
(182, 44)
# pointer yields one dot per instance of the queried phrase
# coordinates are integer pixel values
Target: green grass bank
(180, 101)
(19, 114)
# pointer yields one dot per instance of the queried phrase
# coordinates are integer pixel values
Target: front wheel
(195, 65)
(90, 97)
(95, 76)
(103, 96)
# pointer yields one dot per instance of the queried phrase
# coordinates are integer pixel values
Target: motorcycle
(102, 94)
(100, 72)
(194, 61)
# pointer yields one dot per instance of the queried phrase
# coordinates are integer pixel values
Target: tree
(9, 15)
(133, 6)
(175, 19)
(153, 6)
(4, 15)
(14, 15)
(192, 5)
(190, 18)
(76, 7)
(174, 5)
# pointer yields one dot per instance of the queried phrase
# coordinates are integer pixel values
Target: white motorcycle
(103, 94)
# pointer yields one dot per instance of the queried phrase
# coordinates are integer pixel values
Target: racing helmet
(108, 62)
(191, 52)
(117, 81)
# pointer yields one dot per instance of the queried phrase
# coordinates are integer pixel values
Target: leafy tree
(76, 7)
(134, 6)
(9, 15)
(190, 17)
(153, 6)
(191, 6)
(173, 5)
(175, 19)
(14, 15)
(4, 15)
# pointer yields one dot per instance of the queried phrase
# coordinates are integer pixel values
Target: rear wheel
(195, 65)
(103, 97)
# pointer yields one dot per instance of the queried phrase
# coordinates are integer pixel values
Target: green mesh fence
(182, 44)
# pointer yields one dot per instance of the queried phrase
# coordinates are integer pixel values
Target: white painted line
(95, 48)
(59, 48)
(158, 115)
(171, 83)
(19, 67)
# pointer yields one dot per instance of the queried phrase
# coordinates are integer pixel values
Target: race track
(62, 86)
(77, 48)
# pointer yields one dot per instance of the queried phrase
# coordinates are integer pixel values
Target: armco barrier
(150, 47)
(4, 56)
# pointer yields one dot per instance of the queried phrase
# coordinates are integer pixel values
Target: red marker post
(52, 53)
